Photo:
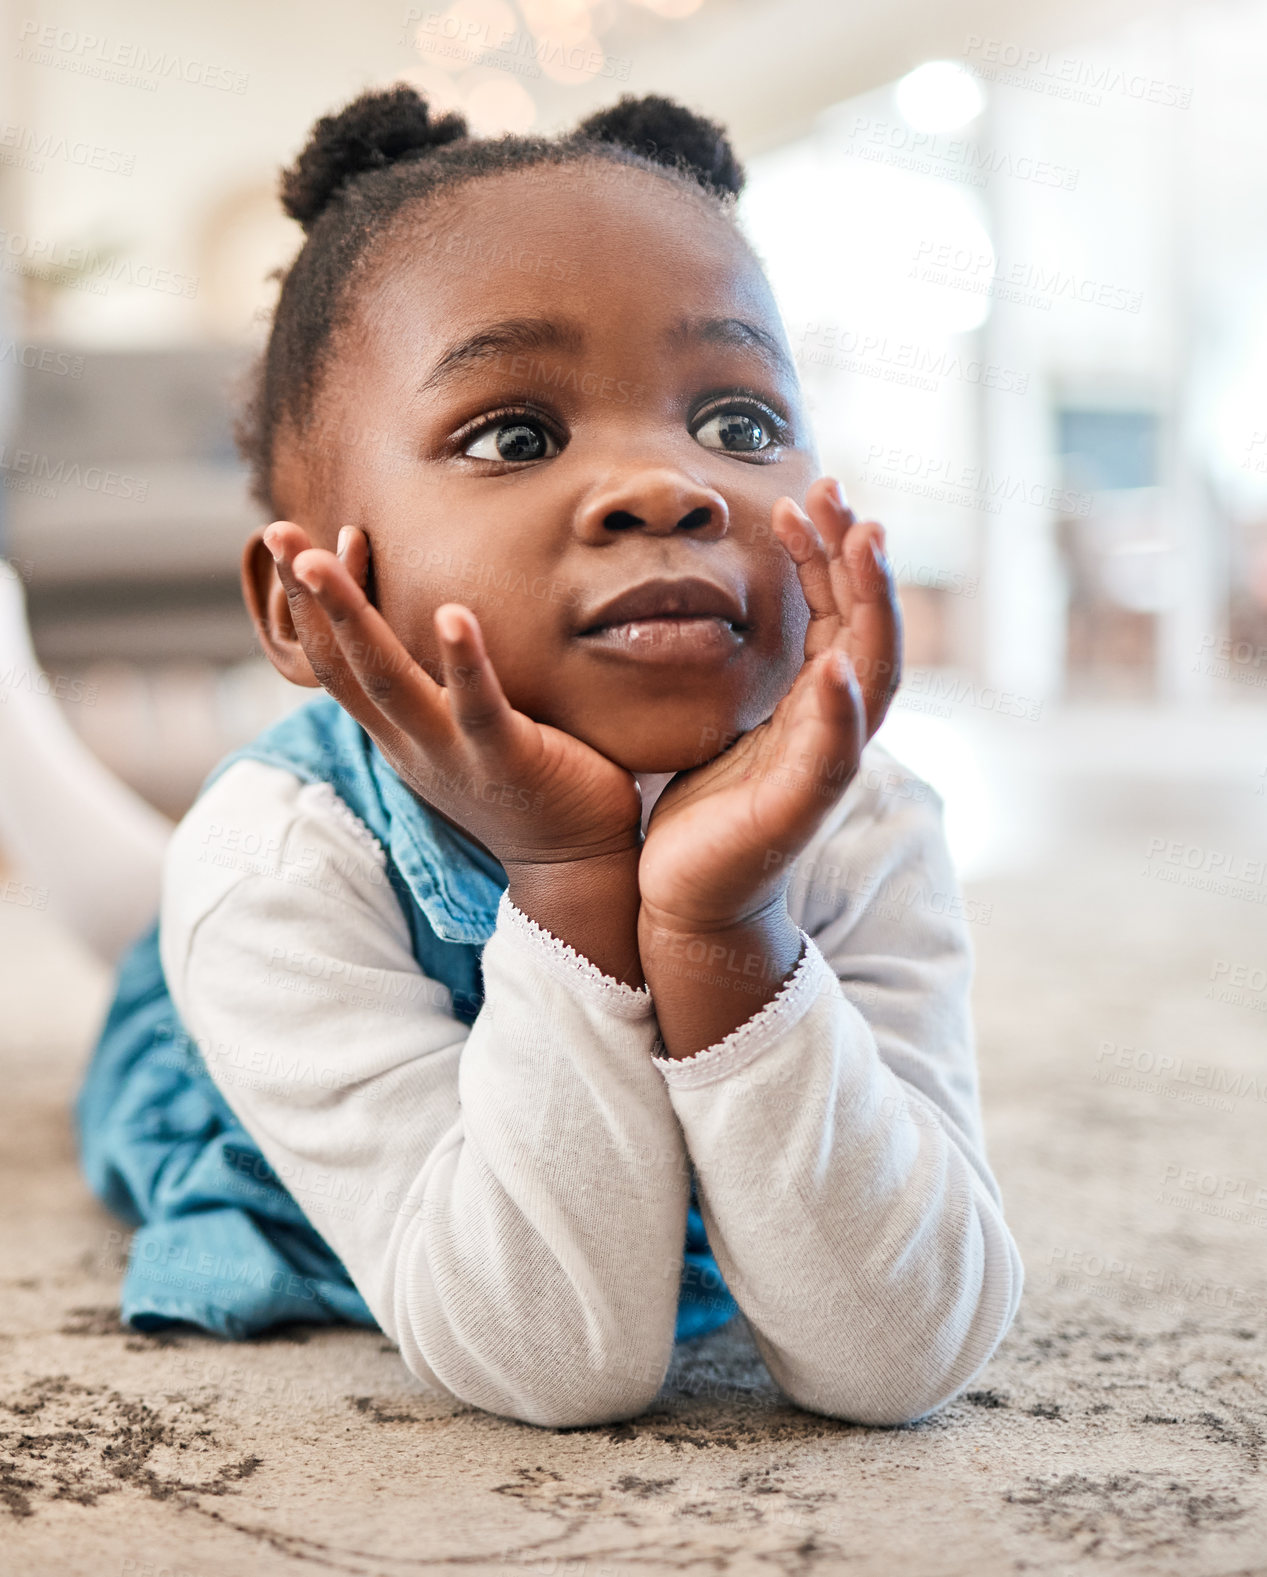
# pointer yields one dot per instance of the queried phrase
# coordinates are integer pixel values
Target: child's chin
(649, 754)
(650, 765)
(668, 734)
(672, 732)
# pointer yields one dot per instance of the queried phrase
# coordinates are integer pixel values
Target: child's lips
(681, 619)
(691, 638)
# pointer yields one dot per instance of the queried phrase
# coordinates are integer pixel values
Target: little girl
(570, 975)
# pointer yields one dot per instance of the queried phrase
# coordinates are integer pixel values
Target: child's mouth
(668, 640)
(688, 620)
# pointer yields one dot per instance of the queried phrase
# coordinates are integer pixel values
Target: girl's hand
(532, 795)
(722, 837)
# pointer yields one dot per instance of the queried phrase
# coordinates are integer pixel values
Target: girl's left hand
(722, 836)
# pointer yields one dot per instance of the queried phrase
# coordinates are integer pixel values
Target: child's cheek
(795, 622)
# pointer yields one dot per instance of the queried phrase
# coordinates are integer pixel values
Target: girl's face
(564, 399)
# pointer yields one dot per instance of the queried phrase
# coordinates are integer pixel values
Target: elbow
(567, 1395)
(875, 1405)
(886, 1382)
(585, 1406)
(555, 1384)
(556, 1349)
(601, 1382)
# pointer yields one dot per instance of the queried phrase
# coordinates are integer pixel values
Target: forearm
(853, 1229)
(707, 983)
(538, 1256)
(510, 1201)
(842, 1173)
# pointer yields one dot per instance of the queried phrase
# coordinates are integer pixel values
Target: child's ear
(270, 613)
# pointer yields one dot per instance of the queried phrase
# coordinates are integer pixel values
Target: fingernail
(273, 548)
(450, 626)
(341, 545)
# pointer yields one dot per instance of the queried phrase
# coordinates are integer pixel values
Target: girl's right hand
(531, 794)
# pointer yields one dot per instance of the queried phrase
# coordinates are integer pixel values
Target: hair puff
(669, 134)
(375, 130)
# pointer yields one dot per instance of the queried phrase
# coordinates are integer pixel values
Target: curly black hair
(362, 166)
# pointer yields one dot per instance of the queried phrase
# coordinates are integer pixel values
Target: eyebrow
(736, 332)
(496, 339)
(517, 335)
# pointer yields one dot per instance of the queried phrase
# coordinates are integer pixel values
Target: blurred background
(1019, 250)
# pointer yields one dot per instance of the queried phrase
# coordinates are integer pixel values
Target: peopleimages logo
(467, 39)
(46, 474)
(906, 362)
(40, 258)
(28, 149)
(949, 158)
(1176, 1077)
(112, 60)
(41, 358)
(35, 681)
(1067, 76)
(954, 482)
(1026, 284)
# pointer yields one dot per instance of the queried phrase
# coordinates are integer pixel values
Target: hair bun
(669, 134)
(375, 130)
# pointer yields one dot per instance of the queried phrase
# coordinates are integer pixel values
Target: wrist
(662, 935)
(590, 903)
(611, 871)
(708, 981)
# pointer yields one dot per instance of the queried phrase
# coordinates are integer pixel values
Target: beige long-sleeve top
(510, 1197)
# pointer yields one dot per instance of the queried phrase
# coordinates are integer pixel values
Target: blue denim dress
(219, 1242)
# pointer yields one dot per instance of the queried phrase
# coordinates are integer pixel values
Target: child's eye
(513, 438)
(740, 429)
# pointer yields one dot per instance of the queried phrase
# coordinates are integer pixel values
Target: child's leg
(65, 820)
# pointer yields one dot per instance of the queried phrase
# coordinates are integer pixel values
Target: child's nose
(658, 501)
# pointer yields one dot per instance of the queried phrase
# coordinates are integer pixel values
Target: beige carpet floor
(1122, 1428)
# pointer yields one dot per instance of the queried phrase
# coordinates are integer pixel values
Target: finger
(835, 714)
(476, 699)
(866, 561)
(353, 548)
(865, 595)
(384, 677)
(837, 524)
(321, 646)
(800, 536)
(875, 626)
(285, 541)
(838, 699)
(820, 744)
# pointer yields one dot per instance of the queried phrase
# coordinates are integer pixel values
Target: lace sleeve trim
(322, 799)
(571, 968)
(811, 977)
